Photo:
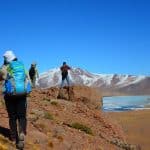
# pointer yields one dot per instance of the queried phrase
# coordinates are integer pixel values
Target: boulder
(89, 96)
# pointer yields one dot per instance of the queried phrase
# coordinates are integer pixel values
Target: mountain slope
(67, 123)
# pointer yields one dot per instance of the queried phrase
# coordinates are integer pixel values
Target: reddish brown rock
(90, 97)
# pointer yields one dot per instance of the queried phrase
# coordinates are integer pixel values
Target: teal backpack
(16, 82)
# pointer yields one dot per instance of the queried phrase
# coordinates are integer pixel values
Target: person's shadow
(5, 132)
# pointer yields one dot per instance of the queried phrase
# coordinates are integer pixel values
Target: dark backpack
(32, 72)
(64, 70)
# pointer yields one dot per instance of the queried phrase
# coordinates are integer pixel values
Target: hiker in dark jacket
(16, 105)
(64, 72)
(33, 73)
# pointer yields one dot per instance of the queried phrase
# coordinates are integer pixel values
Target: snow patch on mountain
(83, 77)
(107, 78)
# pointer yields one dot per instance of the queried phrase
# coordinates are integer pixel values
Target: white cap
(9, 55)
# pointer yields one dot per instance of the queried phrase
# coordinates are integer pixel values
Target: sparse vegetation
(32, 113)
(49, 116)
(2, 103)
(54, 103)
(50, 144)
(60, 138)
(81, 127)
(46, 99)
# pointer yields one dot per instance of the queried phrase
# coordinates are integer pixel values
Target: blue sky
(101, 36)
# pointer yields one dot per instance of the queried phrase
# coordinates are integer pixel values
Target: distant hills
(109, 84)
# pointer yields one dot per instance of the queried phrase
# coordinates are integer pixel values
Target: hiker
(15, 88)
(33, 73)
(64, 72)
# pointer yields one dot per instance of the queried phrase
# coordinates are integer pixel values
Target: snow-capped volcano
(78, 76)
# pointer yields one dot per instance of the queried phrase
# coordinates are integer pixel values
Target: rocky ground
(66, 120)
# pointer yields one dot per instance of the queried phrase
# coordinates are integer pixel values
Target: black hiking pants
(16, 108)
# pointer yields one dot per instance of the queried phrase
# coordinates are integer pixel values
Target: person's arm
(3, 73)
(61, 68)
(68, 67)
(37, 73)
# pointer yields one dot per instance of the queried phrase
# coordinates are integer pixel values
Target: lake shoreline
(135, 124)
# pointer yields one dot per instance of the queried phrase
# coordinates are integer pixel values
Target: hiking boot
(21, 137)
(20, 144)
(13, 140)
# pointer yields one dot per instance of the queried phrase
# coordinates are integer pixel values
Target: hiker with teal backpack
(16, 86)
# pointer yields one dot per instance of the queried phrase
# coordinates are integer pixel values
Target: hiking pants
(33, 80)
(16, 109)
(63, 80)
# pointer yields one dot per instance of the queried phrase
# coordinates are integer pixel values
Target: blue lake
(126, 103)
